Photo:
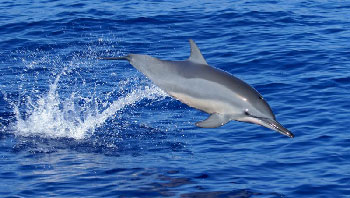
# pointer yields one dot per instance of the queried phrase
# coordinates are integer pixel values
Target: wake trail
(51, 116)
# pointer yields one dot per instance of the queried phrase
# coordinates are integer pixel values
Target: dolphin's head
(258, 111)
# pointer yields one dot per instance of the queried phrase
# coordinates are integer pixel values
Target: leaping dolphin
(206, 88)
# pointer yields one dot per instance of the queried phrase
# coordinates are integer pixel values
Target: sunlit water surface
(72, 125)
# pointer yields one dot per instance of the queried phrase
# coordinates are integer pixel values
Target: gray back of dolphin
(206, 88)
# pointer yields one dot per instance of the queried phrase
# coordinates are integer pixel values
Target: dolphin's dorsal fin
(214, 120)
(196, 55)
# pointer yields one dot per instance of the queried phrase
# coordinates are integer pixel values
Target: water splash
(51, 116)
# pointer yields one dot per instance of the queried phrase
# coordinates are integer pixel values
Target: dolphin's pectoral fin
(214, 120)
(196, 55)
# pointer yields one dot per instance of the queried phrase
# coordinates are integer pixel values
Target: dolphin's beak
(274, 125)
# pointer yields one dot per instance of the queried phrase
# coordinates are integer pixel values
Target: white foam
(51, 116)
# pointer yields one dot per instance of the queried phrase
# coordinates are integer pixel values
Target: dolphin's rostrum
(206, 88)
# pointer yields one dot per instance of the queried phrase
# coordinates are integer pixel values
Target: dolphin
(199, 85)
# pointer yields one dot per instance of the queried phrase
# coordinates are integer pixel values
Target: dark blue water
(75, 126)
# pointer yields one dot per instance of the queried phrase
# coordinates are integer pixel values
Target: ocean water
(75, 126)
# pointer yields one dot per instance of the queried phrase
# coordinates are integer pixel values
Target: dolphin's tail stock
(115, 58)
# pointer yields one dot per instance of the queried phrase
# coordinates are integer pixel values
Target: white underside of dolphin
(206, 88)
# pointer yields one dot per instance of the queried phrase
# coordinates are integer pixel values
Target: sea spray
(51, 116)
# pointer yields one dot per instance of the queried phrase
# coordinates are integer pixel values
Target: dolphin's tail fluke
(115, 58)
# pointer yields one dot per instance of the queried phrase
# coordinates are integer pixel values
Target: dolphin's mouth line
(274, 125)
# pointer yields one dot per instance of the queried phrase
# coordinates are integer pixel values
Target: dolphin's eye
(246, 112)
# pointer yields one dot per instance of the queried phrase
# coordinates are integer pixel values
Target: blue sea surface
(72, 125)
